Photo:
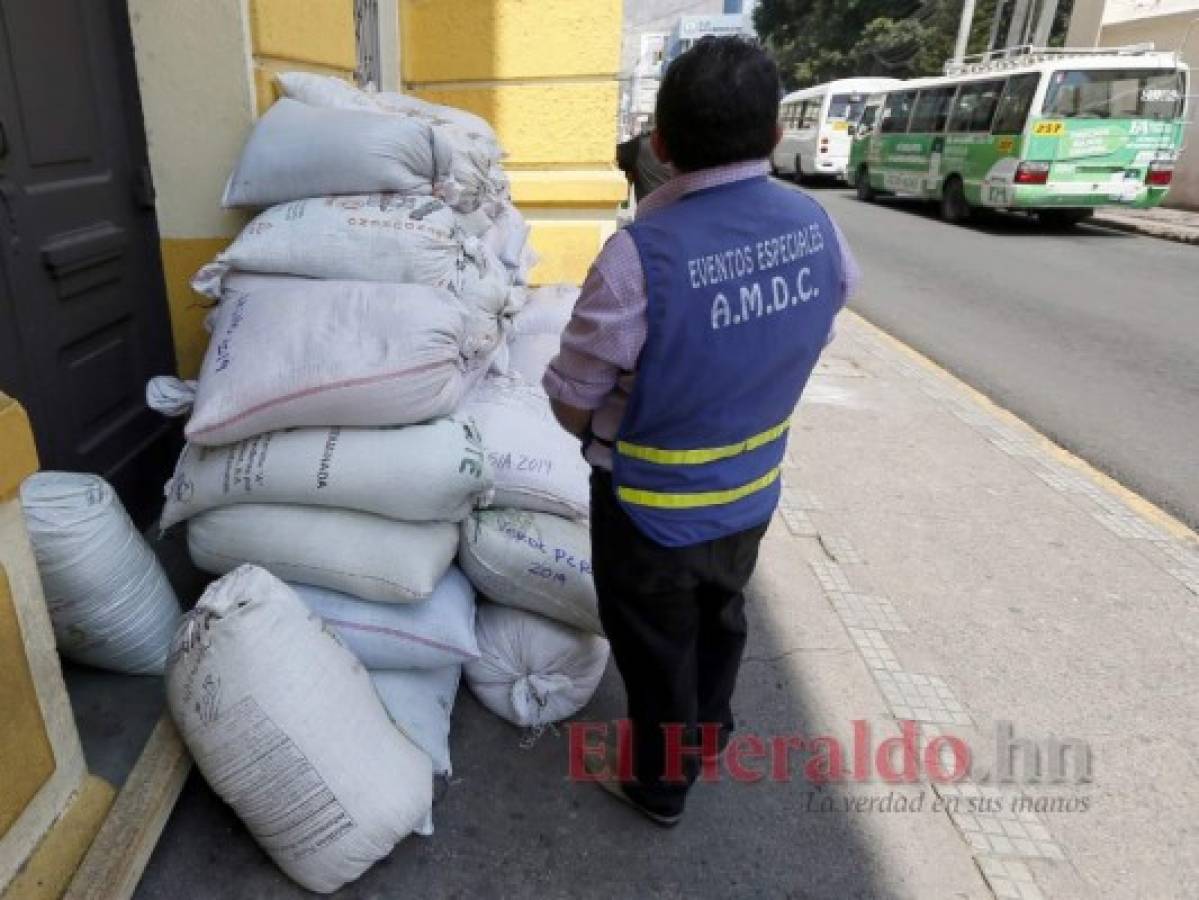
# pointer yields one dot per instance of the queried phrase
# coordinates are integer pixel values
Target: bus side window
(897, 109)
(932, 110)
(1012, 115)
(975, 106)
(811, 111)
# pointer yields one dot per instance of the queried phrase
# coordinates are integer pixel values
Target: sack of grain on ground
(367, 237)
(297, 151)
(285, 725)
(537, 464)
(536, 334)
(436, 472)
(297, 352)
(356, 553)
(431, 634)
(474, 153)
(533, 671)
(420, 702)
(532, 561)
(109, 600)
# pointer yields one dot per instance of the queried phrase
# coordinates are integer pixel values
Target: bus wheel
(862, 184)
(954, 207)
(1063, 218)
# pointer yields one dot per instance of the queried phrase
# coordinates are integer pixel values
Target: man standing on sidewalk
(694, 334)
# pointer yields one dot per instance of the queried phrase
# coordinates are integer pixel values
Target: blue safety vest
(743, 282)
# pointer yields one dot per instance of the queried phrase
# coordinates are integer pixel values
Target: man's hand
(576, 421)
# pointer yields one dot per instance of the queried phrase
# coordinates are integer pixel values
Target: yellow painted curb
(1133, 500)
(49, 869)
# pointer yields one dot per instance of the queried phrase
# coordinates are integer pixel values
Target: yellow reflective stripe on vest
(703, 455)
(640, 497)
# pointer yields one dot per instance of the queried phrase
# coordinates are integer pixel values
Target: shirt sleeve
(606, 331)
(851, 272)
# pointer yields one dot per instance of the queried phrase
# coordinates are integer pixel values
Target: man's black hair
(718, 103)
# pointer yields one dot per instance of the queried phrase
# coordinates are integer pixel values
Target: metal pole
(993, 38)
(1015, 31)
(1045, 25)
(959, 51)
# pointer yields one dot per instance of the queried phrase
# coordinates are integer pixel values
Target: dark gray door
(83, 314)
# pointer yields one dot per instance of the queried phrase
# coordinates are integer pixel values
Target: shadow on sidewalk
(511, 824)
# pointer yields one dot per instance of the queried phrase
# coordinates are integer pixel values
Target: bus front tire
(954, 207)
(1063, 218)
(862, 184)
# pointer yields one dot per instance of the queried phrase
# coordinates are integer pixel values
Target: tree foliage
(819, 40)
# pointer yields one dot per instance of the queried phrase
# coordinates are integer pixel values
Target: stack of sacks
(542, 653)
(328, 441)
(483, 202)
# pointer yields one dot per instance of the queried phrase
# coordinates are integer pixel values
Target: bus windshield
(1115, 94)
(846, 107)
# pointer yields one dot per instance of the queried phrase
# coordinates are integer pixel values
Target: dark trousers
(675, 617)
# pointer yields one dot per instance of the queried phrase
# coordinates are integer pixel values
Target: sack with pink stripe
(297, 352)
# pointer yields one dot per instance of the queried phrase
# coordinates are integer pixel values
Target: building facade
(121, 121)
(1168, 25)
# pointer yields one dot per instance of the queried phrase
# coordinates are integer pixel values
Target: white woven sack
(326, 90)
(286, 727)
(437, 472)
(431, 634)
(537, 463)
(367, 237)
(356, 553)
(109, 600)
(297, 151)
(536, 334)
(532, 671)
(295, 352)
(506, 232)
(473, 155)
(532, 561)
(421, 702)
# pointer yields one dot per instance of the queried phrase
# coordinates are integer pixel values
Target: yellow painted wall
(316, 36)
(543, 73)
(204, 71)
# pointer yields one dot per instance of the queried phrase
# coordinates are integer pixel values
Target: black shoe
(617, 789)
(722, 744)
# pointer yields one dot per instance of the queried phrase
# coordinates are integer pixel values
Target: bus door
(969, 146)
(1007, 142)
(895, 160)
(927, 129)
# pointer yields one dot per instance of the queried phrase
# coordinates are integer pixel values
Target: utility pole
(959, 50)
(1019, 25)
(1045, 23)
(993, 38)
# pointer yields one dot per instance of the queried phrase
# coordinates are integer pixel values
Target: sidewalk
(1171, 224)
(934, 560)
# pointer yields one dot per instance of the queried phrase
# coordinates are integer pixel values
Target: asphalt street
(1091, 336)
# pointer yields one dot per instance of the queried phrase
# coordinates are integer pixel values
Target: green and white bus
(1054, 132)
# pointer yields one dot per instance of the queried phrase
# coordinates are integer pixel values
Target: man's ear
(778, 135)
(659, 147)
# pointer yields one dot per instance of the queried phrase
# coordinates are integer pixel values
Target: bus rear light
(1032, 173)
(1160, 173)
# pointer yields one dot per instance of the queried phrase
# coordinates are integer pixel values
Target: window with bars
(366, 35)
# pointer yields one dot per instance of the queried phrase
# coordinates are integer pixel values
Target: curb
(1149, 229)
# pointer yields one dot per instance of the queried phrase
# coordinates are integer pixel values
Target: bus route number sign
(1048, 129)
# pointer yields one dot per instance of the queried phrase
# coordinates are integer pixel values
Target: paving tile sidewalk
(933, 560)
(1171, 224)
